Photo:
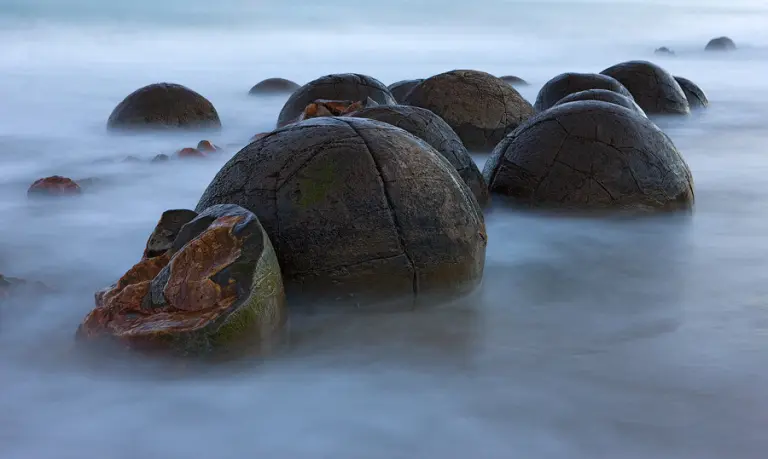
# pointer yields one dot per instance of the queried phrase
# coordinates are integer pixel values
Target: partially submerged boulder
(569, 83)
(164, 106)
(720, 44)
(54, 185)
(513, 80)
(273, 86)
(652, 87)
(216, 286)
(603, 95)
(694, 94)
(590, 155)
(664, 51)
(207, 147)
(400, 89)
(432, 129)
(10, 286)
(479, 107)
(347, 86)
(358, 211)
(322, 107)
(190, 153)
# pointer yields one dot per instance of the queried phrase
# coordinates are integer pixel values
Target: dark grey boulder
(164, 106)
(358, 211)
(400, 89)
(432, 129)
(664, 51)
(480, 108)
(513, 80)
(273, 86)
(602, 95)
(694, 94)
(569, 83)
(346, 86)
(652, 87)
(720, 44)
(590, 155)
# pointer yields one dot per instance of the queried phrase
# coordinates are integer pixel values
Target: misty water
(589, 337)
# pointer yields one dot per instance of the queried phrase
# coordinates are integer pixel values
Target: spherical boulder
(273, 86)
(590, 155)
(603, 95)
(479, 107)
(720, 44)
(54, 185)
(164, 106)
(217, 286)
(652, 87)
(569, 83)
(513, 80)
(432, 129)
(359, 212)
(694, 94)
(400, 89)
(347, 86)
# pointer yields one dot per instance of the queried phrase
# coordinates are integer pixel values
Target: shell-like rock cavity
(591, 155)
(720, 44)
(321, 108)
(569, 83)
(206, 282)
(432, 129)
(347, 86)
(602, 95)
(400, 89)
(652, 87)
(164, 106)
(54, 185)
(694, 94)
(273, 86)
(359, 211)
(479, 107)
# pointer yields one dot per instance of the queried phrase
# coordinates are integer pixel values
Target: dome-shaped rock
(400, 89)
(590, 155)
(603, 95)
(569, 83)
(664, 51)
(720, 44)
(480, 108)
(273, 86)
(358, 210)
(54, 185)
(513, 80)
(694, 94)
(652, 87)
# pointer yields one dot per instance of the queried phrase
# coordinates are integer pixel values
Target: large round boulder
(694, 94)
(207, 282)
(720, 44)
(165, 106)
(273, 86)
(569, 83)
(590, 155)
(652, 87)
(480, 108)
(603, 95)
(400, 89)
(432, 129)
(359, 211)
(347, 87)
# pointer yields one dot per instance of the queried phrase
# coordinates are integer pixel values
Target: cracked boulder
(602, 95)
(694, 94)
(479, 107)
(359, 212)
(590, 155)
(164, 106)
(568, 83)
(273, 86)
(322, 107)
(206, 283)
(720, 44)
(652, 87)
(432, 129)
(346, 86)
(400, 89)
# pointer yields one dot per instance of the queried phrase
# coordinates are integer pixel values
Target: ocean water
(589, 338)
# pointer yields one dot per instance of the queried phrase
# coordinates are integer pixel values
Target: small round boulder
(720, 44)
(479, 107)
(273, 86)
(513, 80)
(602, 95)
(591, 155)
(401, 88)
(664, 51)
(347, 86)
(568, 83)
(359, 212)
(694, 94)
(652, 87)
(54, 185)
(164, 106)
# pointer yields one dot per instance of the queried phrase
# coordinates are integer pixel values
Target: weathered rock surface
(603, 95)
(652, 87)
(720, 44)
(322, 107)
(54, 185)
(568, 83)
(273, 86)
(400, 89)
(694, 94)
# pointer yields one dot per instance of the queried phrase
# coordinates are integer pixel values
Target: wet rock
(400, 89)
(652, 87)
(321, 107)
(568, 83)
(694, 94)
(358, 210)
(513, 80)
(432, 129)
(54, 185)
(590, 155)
(164, 106)
(603, 95)
(12, 285)
(166, 231)
(346, 86)
(161, 158)
(274, 86)
(664, 51)
(720, 44)
(190, 153)
(207, 147)
(217, 286)
(479, 107)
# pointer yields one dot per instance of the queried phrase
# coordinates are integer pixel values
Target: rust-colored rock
(55, 185)
(323, 107)
(190, 153)
(207, 147)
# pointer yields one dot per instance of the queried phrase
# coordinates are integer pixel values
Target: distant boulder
(273, 86)
(569, 83)
(664, 51)
(652, 87)
(54, 185)
(401, 88)
(513, 80)
(694, 94)
(720, 44)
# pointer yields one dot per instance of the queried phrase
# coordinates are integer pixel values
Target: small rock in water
(720, 44)
(190, 153)
(664, 51)
(131, 159)
(160, 158)
(207, 146)
(9, 285)
(55, 185)
(274, 86)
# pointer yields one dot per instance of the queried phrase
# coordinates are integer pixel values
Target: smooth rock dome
(164, 106)
(513, 80)
(603, 95)
(720, 44)
(432, 129)
(346, 86)
(273, 86)
(590, 155)
(652, 87)
(359, 211)
(568, 83)
(400, 89)
(694, 94)
(479, 107)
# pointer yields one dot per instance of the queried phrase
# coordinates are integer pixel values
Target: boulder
(347, 86)
(160, 158)
(590, 155)
(479, 107)
(664, 51)
(569, 83)
(513, 80)
(432, 129)
(11, 286)
(54, 185)
(322, 107)
(216, 286)
(273, 86)
(165, 232)
(603, 95)
(694, 94)
(190, 153)
(401, 88)
(720, 44)
(652, 87)
(207, 147)
(359, 211)
(164, 106)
